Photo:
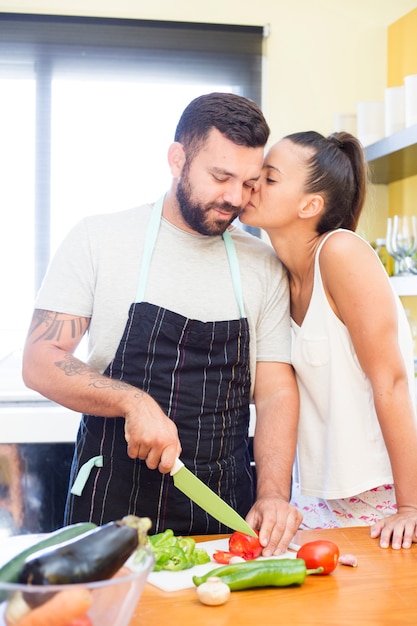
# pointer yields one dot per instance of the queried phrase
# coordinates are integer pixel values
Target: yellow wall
(402, 61)
(402, 49)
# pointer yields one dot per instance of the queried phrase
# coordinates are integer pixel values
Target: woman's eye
(270, 180)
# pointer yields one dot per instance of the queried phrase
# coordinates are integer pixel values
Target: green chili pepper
(267, 573)
(176, 560)
(161, 539)
(161, 557)
(187, 544)
(170, 558)
(200, 556)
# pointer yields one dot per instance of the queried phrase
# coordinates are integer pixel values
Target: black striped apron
(199, 374)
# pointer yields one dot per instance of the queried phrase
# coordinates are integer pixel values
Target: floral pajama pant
(363, 509)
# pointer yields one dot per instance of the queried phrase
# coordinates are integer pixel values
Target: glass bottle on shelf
(385, 258)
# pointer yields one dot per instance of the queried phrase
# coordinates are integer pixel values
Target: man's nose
(235, 194)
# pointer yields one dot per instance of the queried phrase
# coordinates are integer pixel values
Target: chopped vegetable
(60, 609)
(175, 553)
(245, 546)
(320, 553)
(267, 573)
(222, 557)
(240, 545)
(213, 592)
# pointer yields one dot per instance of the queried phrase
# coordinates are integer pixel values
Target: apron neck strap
(234, 270)
(150, 241)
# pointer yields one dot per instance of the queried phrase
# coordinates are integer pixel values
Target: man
(188, 319)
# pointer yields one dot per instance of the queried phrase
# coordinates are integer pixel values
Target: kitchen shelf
(404, 285)
(394, 157)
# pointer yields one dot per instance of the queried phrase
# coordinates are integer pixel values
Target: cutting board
(175, 581)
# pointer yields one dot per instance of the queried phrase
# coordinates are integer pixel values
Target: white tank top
(341, 451)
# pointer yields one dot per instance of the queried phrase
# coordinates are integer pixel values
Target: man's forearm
(67, 380)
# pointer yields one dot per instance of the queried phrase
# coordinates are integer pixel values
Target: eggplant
(96, 555)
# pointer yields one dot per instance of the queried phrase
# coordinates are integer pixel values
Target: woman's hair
(337, 170)
(240, 120)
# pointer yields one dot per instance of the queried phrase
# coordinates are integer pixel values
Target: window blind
(40, 52)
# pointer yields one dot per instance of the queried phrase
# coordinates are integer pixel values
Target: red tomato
(222, 557)
(245, 546)
(81, 621)
(320, 553)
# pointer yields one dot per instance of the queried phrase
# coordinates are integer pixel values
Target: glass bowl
(111, 602)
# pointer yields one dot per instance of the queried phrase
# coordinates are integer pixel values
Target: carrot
(60, 610)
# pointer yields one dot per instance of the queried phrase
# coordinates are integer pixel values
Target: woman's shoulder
(341, 242)
(346, 250)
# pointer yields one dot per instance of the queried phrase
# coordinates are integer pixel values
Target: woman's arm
(360, 294)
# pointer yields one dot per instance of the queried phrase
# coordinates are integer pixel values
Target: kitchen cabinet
(394, 157)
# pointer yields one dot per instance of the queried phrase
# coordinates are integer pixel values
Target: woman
(352, 349)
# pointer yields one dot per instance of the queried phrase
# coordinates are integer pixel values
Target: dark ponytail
(337, 170)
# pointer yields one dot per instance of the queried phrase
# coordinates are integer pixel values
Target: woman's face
(280, 193)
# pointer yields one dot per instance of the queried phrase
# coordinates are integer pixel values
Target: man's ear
(176, 159)
(312, 207)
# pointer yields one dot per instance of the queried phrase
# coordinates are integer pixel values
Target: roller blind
(150, 49)
(88, 107)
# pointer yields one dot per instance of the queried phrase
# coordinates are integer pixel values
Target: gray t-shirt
(95, 274)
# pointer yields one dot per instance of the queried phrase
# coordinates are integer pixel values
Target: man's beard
(197, 215)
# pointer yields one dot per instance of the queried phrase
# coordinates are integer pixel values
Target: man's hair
(240, 120)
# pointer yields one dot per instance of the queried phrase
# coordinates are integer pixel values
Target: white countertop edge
(38, 424)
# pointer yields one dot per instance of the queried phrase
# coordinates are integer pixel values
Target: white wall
(321, 57)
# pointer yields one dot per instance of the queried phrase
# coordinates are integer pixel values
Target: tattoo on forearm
(54, 325)
(71, 366)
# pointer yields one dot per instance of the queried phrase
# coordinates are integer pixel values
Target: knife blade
(205, 497)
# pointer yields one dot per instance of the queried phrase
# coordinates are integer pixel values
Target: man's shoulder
(115, 226)
(124, 217)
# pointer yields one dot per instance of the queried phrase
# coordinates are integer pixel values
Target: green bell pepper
(175, 553)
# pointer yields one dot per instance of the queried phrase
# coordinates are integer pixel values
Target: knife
(205, 497)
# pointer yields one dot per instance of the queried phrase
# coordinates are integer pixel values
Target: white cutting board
(175, 581)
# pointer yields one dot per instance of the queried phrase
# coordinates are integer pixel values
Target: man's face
(214, 188)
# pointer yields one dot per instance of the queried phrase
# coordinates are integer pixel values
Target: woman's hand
(399, 530)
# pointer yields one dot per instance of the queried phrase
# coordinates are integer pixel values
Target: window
(88, 108)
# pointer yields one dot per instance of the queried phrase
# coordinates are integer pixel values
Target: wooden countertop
(381, 591)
